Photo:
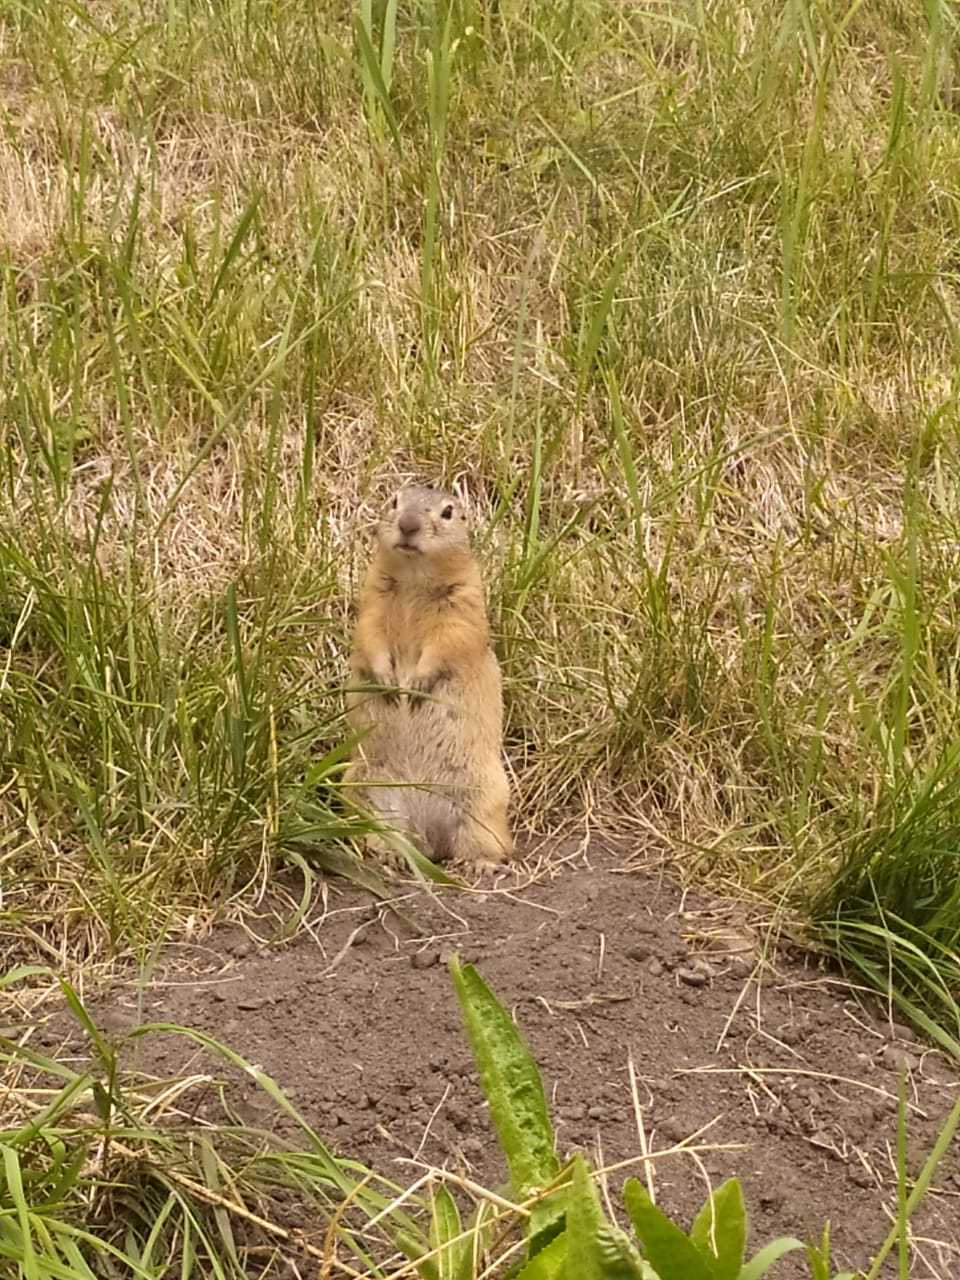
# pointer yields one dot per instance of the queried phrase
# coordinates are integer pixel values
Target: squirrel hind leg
(485, 839)
(383, 852)
(386, 805)
(441, 835)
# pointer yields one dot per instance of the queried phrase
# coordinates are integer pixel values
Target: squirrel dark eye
(447, 513)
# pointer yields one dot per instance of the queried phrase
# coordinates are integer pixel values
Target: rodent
(431, 713)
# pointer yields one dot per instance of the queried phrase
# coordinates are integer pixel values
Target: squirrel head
(421, 524)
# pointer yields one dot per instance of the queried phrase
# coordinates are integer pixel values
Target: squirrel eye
(447, 513)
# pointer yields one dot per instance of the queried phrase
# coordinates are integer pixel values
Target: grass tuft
(893, 909)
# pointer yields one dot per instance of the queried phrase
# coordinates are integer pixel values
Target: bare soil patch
(600, 961)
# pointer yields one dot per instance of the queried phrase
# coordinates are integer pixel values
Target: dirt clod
(640, 951)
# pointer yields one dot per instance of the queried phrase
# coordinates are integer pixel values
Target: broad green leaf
(670, 1252)
(514, 1090)
(720, 1230)
(415, 1250)
(596, 1249)
(445, 1232)
(549, 1264)
(761, 1263)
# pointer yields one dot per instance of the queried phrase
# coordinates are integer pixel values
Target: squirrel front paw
(380, 672)
(425, 683)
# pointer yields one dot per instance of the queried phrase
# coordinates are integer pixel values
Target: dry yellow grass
(670, 293)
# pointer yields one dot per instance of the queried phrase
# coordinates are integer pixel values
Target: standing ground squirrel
(436, 721)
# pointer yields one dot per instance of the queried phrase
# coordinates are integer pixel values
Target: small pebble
(692, 977)
(899, 1059)
(655, 968)
(424, 959)
(898, 1031)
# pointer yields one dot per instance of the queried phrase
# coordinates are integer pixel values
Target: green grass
(672, 291)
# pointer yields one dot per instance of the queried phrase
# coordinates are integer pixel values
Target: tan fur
(422, 629)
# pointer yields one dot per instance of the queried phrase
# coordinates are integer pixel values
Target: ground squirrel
(436, 719)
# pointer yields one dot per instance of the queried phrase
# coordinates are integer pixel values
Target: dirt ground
(602, 961)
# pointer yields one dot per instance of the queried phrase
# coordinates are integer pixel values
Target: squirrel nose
(409, 523)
